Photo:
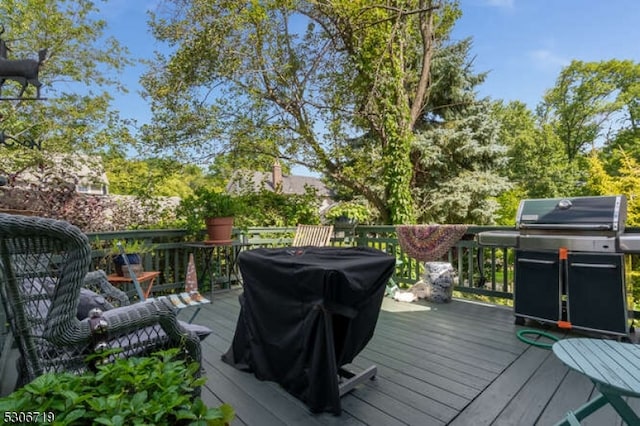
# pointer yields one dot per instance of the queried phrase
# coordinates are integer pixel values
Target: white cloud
(546, 59)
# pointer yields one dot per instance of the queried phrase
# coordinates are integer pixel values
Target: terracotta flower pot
(219, 229)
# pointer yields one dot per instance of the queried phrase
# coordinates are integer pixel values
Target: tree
(538, 164)
(75, 115)
(594, 105)
(301, 81)
(625, 182)
(457, 154)
(592, 101)
(152, 176)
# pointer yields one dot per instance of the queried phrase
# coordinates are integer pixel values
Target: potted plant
(133, 250)
(215, 209)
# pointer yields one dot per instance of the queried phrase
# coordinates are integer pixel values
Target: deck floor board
(459, 363)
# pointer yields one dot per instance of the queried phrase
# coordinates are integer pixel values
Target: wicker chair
(43, 266)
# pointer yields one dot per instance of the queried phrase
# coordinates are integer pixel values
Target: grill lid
(597, 214)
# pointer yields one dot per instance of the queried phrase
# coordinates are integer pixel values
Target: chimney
(276, 178)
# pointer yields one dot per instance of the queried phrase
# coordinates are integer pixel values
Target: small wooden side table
(147, 276)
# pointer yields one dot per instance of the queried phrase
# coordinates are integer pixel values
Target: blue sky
(523, 44)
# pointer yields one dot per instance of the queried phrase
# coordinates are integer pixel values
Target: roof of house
(264, 180)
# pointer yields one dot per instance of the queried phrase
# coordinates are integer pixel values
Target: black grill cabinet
(305, 313)
(585, 290)
(569, 265)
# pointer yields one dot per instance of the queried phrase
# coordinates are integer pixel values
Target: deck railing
(483, 271)
(486, 271)
(480, 271)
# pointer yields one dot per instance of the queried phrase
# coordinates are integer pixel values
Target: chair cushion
(200, 330)
(87, 301)
(90, 300)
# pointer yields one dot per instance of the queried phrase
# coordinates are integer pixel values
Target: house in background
(275, 181)
(85, 173)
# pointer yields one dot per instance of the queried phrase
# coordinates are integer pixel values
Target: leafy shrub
(155, 390)
(267, 208)
(210, 203)
(130, 247)
(349, 210)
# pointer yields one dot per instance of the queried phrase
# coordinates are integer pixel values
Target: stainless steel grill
(569, 265)
(587, 224)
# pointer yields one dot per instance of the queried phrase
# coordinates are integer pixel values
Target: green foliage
(351, 210)
(456, 171)
(509, 202)
(305, 81)
(626, 141)
(207, 203)
(130, 247)
(267, 208)
(211, 203)
(152, 176)
(626, 182)
(79, 56)
(527, 143)
(593, 106)
(154, 390)
(634, 285)
(588, 98)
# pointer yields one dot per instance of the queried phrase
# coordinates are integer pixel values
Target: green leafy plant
(267, 208)
(130, 247)
(206, 203)
(216, 204)
(350, 211)
(155, 390)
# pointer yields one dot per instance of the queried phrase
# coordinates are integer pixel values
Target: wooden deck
(455, 364)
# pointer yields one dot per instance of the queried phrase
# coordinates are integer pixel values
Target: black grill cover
(306, 311)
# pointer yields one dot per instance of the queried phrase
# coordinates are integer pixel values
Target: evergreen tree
(456, 179)
(457, 154)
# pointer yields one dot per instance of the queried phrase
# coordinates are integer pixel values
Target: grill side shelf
(498, 238)
(629, 243)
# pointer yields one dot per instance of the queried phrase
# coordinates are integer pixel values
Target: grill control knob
(564, 204)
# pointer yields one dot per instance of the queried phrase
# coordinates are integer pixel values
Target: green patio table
(614, 368)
